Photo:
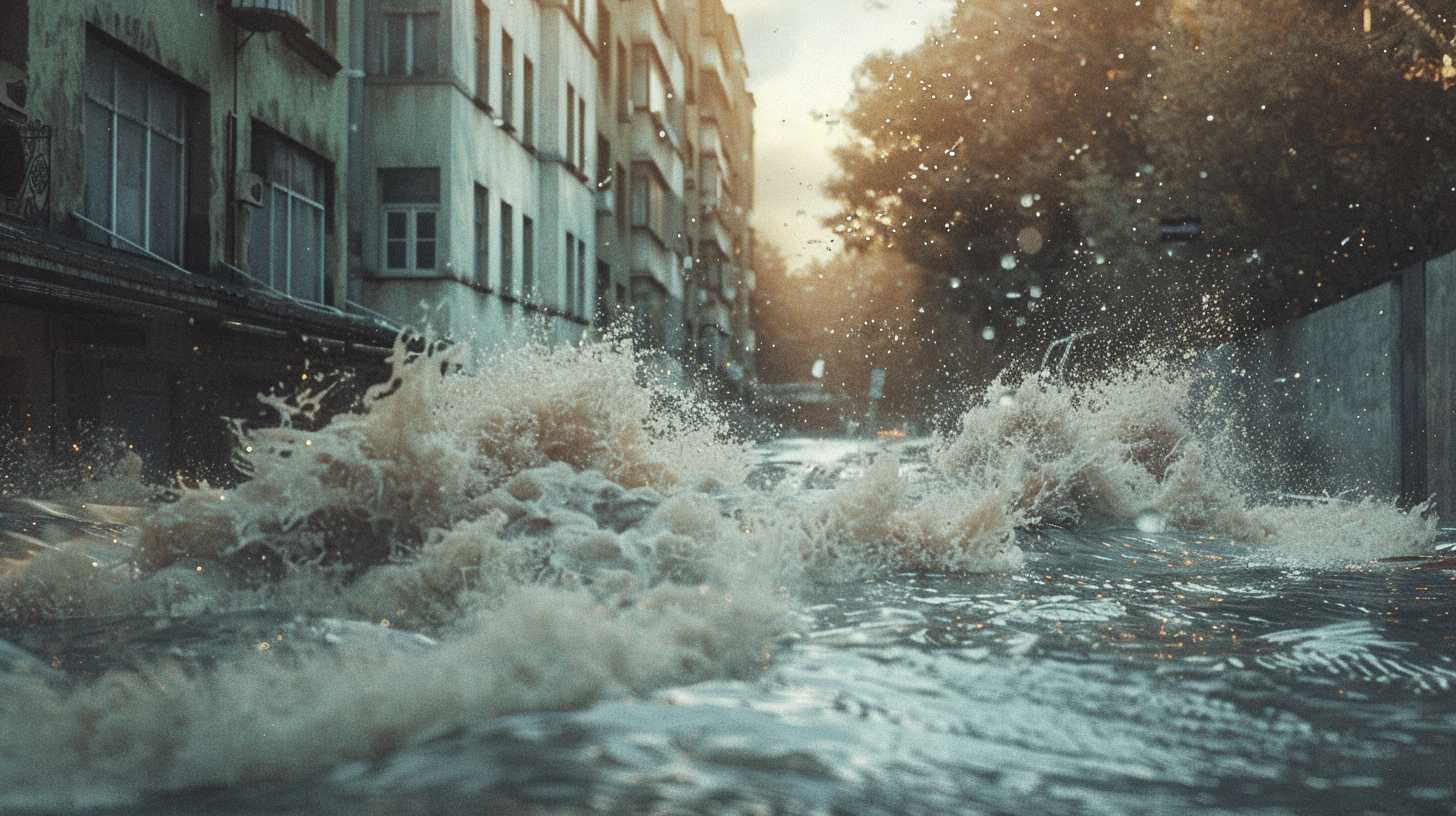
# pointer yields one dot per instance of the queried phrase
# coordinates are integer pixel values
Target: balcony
(713, 65)
(286, 16)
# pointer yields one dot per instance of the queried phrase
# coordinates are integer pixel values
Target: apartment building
(569, 188)
(722, 184)
(477, 210)
(172, 221)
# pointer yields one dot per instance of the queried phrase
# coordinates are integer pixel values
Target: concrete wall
(474, 146)
(1440, 382)
(278, 85)
(1358, 397)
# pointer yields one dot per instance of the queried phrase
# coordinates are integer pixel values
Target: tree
(969, 145)
(1037, 144)
(1305, 149)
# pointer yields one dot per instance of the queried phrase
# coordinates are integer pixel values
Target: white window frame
(412, 213)
(149, 131)
(287, 280)
(316, 14)
(409, 42)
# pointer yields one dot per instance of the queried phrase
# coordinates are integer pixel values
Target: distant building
(172, 220)
(722, 181)
(471, 179)
(577, 181)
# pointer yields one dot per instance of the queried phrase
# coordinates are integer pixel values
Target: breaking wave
(566, 532)
(1124, 450)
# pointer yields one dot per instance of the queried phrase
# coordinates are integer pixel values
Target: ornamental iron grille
(25, 171)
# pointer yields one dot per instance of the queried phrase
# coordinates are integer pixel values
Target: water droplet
(1029, 240)
(1151, 522)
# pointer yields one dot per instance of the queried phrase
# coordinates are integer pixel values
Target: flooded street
(858, 626)
(748, 407)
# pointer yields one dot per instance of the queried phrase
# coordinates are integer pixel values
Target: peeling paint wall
(277, 84)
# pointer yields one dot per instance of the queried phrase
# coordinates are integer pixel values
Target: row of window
(135, 146)
(136, 190)
(411, 199)
(411, 48)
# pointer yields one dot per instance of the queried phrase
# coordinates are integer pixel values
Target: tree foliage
(1036, 144)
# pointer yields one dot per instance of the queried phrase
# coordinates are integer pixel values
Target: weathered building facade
(474, 208)
(722, 188)
(579, 182)
(172, 221)
(202, 200)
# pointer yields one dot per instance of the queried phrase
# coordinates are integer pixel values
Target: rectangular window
(620, 187)
(581, 278)
(482, 235)
(528, 102)
(528, 258)
(581, 135)
(507, 250)
(624, 111)
(319, 16)
(570, 123)
(411, 44)
(482, 52)
(569, 273)
(650, 203)
(508, 80)
(135, 153)
(604, 161)
(649, 82)
(603, 294)
(411, 219)
(15, 35)
(286, 236)
(640, 196)
(604, 45)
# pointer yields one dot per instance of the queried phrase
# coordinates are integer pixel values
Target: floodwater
(482, 600)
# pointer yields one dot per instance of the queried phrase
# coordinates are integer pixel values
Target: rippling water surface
(1106, 669)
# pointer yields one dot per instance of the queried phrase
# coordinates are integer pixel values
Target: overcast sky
(801, 59)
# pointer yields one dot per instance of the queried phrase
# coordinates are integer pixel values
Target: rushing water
(573, 596)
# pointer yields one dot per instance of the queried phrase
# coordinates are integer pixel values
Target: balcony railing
(25, 171)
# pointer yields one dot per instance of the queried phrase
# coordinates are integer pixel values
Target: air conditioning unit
(250, 189)
(606, 202)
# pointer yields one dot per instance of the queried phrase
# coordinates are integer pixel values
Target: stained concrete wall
(1311, 403)
(287, 84)
(1440, 383)
(1359, 397)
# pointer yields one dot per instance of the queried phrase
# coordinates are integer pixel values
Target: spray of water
(567, 533)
